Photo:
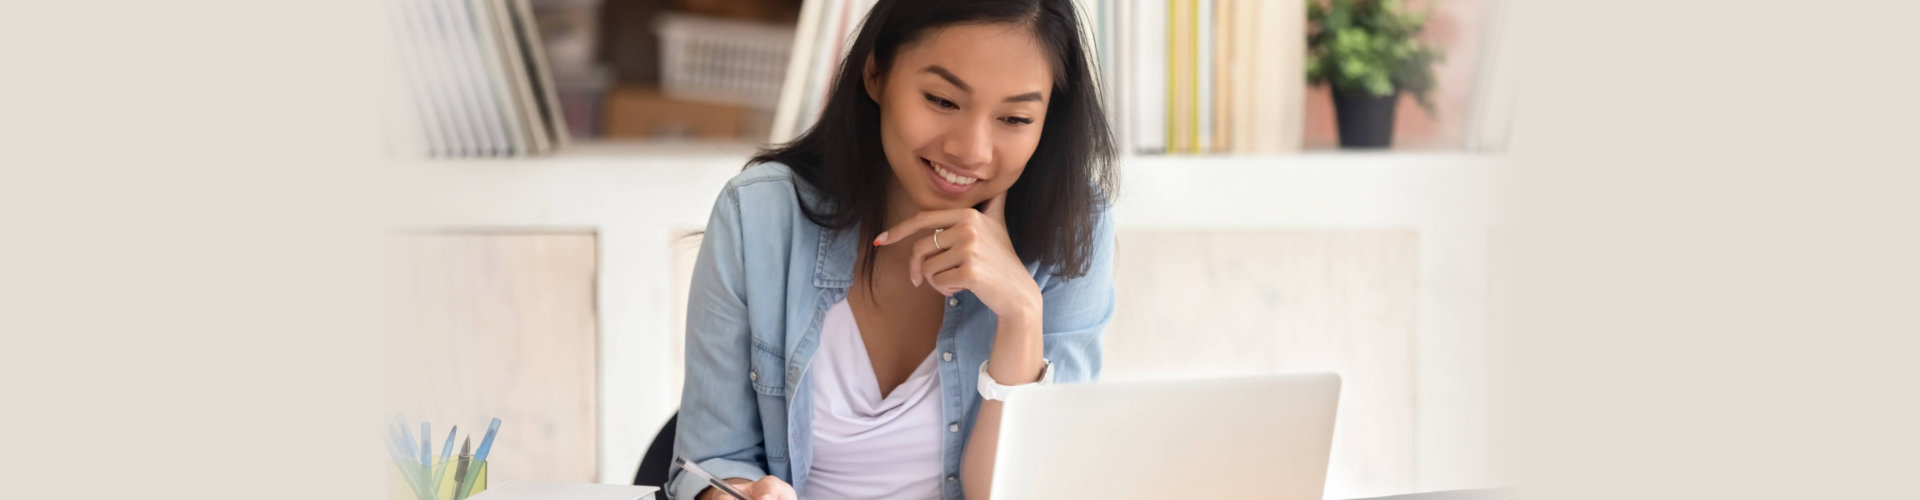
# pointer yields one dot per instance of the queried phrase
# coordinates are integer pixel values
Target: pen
(447, 450)
(486, 443)
(406, 458)
(426, 443)
(406, 443)
(688, 466)
(460, 472)
(440, 469)
(480, 459)
(402, 458)
(406, 436)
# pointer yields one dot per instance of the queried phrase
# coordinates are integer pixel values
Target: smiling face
(961, 112)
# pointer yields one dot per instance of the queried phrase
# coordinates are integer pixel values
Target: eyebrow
(941, 72)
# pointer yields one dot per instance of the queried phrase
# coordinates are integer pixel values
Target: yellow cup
(413, 481)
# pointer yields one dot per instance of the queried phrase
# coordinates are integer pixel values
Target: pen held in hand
(717, 483)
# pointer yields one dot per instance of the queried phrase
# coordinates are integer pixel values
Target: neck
(900, 207)
(891, 260)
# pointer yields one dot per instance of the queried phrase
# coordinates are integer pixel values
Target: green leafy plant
(1371, 46)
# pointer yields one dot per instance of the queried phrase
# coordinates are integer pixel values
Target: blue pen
(405, 446)
(426, 443)
(402, 442)
(406, 436)
(440, 469)
(393, 443)
(447, 451)
(393, 448)
(486, 443)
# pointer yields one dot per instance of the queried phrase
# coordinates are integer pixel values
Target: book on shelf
(824, 32)
(1177, 76)
(476, 79)
(1147, 68)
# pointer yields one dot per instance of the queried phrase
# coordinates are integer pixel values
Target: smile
(948, 180)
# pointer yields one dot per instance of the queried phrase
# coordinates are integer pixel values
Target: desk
(529, 490)
(1481, 494)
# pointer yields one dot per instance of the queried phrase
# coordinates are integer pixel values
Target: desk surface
(1479, 494)
(527, 490)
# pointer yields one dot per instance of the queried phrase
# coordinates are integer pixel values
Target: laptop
(1244, 437)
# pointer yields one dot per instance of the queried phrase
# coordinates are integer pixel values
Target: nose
(970, 144)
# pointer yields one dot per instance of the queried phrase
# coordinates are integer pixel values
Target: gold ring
(936, 238)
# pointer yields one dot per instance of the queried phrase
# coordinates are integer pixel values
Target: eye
(1017, 121)
(942, 103)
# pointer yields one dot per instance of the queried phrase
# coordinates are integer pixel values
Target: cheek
(905, 129)
(917, 129)
(1013, 158)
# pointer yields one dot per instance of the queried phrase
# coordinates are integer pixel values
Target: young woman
(866, 294)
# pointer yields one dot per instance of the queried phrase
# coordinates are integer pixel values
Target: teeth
(953, 177)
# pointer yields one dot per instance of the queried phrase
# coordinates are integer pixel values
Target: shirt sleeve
(719, 426)
(1078, 310)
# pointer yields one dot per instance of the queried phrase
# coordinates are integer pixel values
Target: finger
(779, 490)
(921, 250)
(767, 488)
(921, 222)
(952, 281)
(940, 262)
(925, 248)
(997, 207)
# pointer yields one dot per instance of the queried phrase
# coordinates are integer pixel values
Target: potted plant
(1367, 51)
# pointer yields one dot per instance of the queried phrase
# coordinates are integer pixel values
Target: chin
(927, 201)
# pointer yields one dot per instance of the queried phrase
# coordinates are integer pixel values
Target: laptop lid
(1259, 436)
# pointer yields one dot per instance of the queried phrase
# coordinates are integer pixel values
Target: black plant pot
(1365, 120)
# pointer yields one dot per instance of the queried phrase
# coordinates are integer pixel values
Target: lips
(948, 180)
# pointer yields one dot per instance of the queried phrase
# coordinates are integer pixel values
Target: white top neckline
(866, 446)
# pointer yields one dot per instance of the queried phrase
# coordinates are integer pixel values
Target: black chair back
(658, 460)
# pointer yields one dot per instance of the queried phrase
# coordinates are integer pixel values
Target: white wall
(638, 197)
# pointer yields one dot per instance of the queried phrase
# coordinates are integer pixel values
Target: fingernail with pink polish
(877, 240)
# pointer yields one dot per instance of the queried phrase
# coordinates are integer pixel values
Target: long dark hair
(1051, 210)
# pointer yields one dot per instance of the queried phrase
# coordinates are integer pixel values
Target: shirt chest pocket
(767, 370)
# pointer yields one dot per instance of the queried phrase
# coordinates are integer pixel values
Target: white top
(865, 446)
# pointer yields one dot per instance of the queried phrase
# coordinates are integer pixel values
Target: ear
(870, 75)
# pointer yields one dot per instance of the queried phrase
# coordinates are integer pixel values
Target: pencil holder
(414, 481)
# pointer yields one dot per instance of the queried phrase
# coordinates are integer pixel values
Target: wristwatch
(993, 390)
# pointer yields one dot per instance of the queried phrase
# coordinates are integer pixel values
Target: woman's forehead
(993, 59)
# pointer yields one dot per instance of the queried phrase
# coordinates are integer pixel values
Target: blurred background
(1304, 189)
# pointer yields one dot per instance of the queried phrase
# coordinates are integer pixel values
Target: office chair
(658, 460)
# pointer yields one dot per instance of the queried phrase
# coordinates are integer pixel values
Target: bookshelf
(1201, 95)
(637, 196)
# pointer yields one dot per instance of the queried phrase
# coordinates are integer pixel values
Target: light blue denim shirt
(764, 280)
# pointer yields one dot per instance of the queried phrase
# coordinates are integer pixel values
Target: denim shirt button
(953, 427)
(953, 301)
(947, 356)
(951, 478)
(753, 375)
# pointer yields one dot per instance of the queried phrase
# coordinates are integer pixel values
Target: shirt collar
(838, 247)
